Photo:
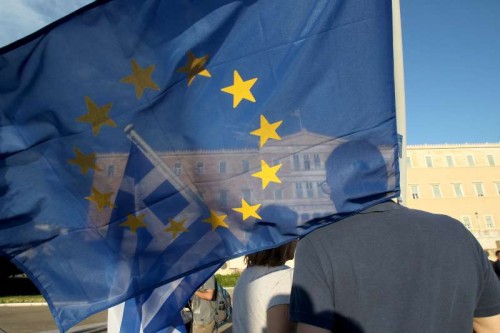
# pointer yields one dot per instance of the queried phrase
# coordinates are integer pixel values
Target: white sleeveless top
(258, 289)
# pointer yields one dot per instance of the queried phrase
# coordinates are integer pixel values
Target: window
(458, 190)
(489, 221)
(309, 190)
(449, 161)
(223, 198)
(177, 168)
(307, 162)
(436, 190)
(200, 168)
(466, 222)
(278, 194)
(491, 160)
(409, 163)
(298, 190)
(479, 189)
(201, 193)
(470, 160)
(320, 189)
(223, 167)
(245, 165)
(296, 162)
(414, 191)
(247, 194)
(317, 161)
(111, 171)
(428, 161)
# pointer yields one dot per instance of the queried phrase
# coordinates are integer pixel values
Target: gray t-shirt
(392, 269)
(203, 310)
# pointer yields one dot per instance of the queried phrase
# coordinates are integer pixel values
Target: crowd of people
(335, 290)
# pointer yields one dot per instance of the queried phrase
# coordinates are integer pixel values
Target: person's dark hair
(497, 253)
(356, 173)
(272, 257)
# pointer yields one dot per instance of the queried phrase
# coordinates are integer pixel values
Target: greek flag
(147, 180)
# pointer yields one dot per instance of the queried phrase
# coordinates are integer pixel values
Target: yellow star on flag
(195, 66)
(216, 220)
(267, 131)
(140, 78)
(175, 227)
(96, 116)
(134, 222)
(84, 161)
(246, 210)
(268, 174)
(240, 89)
(102, 200)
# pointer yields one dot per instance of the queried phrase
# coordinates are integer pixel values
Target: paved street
(37, 319)
(31, 319)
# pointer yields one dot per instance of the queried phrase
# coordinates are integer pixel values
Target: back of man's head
(356, 173)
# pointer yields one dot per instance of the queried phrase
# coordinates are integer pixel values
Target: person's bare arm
(278, 320)
(305, 328)
(487, 324)
(205, 294)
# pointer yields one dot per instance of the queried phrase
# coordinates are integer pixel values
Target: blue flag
(144, 143)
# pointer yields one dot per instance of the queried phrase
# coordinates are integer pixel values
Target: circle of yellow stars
(141, 79)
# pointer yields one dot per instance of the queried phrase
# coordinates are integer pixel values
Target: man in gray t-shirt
(393, 269)
(388, 268)
(203, 308)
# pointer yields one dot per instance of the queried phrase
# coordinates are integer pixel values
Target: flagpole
(399, 83)
(187, 190)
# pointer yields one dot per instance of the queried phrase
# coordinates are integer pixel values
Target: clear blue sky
(451, 57)
(452, 70)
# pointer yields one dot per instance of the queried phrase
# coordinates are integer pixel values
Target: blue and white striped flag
(152, 311)
(146, 179)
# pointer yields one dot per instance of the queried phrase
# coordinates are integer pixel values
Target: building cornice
(455, 145)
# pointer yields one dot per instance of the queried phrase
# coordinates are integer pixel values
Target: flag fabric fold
(144, 143)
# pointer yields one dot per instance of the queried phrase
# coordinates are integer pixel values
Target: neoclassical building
(462, 181)
(222, 177)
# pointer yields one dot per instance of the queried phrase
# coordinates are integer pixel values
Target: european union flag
(145, 142)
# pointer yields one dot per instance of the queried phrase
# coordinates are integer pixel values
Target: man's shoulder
(388, 216)
(392, 210)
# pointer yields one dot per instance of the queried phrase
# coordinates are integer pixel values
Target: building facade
(462, 181)
(222, 179)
